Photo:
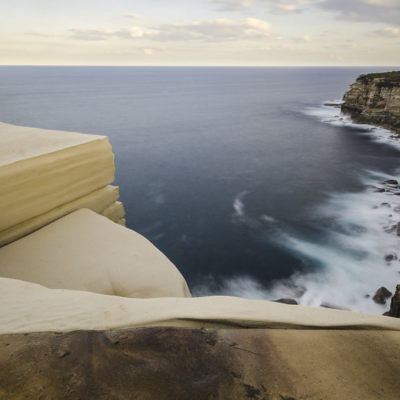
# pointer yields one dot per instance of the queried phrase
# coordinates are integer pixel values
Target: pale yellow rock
(27, 307)
(122, 222)
(85, 251)
(41, 170)
(114, 211)
(98, 201)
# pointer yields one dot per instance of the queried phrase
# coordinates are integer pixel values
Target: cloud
(145, 50)
(288, 47)
(233, 5)
(302, 39)
(336, 57)
(264, 48)
(133, 16)
(383, 3)
(275, 6)
(215, 30)
(387, 11)
(150, 50)
(106, 34)
(331, 32)
(386, 32)
(43, 34)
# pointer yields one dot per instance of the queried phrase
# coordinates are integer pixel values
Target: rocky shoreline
(375, 99)
(393, 227)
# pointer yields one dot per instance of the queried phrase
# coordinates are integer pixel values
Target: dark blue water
(214, 164)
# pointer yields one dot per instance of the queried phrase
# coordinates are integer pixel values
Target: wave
(330, 114)
(360, 252)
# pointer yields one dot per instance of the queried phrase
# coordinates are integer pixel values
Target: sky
(200, 32)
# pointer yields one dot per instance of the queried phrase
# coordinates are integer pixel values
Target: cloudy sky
(200, 32)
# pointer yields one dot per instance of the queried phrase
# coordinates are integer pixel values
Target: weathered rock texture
(201, 364)
(375, 99)
(27, 307)
(86, 251)
(45, 175)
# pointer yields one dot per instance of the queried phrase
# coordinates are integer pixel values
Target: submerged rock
(287, 301)
(325, 304)
(381, 295)
(336, 105)
(390, 257)
(390, 229)
(391, 182)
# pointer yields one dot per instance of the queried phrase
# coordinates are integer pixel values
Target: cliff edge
(90, 309)
(375, 99)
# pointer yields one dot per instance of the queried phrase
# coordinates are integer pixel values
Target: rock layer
(27, 307)
(374, 99)
(47, 174)
(201, 364)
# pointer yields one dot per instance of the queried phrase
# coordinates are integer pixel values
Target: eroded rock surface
(198, 364)
(87, 252)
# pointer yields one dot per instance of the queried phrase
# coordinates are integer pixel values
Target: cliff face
(375, 99)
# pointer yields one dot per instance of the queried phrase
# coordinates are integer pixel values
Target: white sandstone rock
(85, 251)
(27, 307)
(98, 201)
(41, 170)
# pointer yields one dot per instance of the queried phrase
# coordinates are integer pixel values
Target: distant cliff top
(392, 77)
(375, 99)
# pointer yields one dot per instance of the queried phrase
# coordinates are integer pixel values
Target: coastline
(104, 312)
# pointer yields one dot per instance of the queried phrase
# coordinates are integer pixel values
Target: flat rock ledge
(199, 364)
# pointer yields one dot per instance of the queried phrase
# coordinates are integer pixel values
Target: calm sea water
(236, 174)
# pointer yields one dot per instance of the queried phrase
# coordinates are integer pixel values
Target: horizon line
(202, 66)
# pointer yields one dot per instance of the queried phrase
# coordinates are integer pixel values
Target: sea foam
(359, 255)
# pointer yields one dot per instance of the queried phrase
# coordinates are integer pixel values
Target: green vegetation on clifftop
(393, 76)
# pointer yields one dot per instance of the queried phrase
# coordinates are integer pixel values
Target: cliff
(47, 174)
(91, 309)
(375, 99)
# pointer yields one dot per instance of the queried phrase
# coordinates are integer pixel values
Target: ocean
(240, 176)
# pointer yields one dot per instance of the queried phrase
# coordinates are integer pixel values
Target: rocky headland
(375, 99)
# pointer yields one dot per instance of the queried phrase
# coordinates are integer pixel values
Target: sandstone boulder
(86, 251)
